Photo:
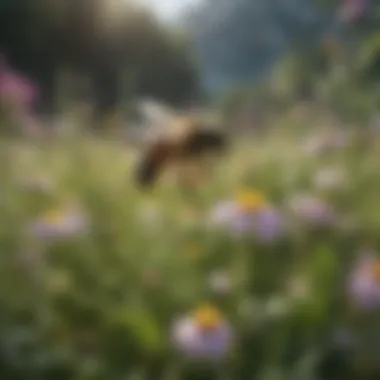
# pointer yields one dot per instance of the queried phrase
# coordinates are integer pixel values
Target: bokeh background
(268, 270)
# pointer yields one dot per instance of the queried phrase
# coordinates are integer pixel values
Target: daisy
(204, 334)
(250, 214)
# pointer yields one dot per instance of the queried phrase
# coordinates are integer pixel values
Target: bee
(185, 145)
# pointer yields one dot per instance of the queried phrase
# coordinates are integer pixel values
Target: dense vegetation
(96, 275)
(267, 270)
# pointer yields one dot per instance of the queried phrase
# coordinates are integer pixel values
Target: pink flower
(16, 89)
(354, 10)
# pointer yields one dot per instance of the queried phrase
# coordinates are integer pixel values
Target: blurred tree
(169, 68)
(105, 41)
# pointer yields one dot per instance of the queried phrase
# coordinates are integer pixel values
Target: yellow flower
(208, 318)
(251, 201)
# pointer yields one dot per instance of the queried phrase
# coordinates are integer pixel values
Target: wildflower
(355, 10)
(364, 283)
(249, 214)
(312, 210)
(16, 91)
(251, 201)
(59, 223)
(203, 335)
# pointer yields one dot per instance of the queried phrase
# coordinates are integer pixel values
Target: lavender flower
(203, 335)
(312, 211)
(364, 283)
(59, 224)
(250, 214)
(354, 10)
(16, 90)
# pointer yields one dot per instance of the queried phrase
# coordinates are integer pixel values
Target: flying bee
(187, 144)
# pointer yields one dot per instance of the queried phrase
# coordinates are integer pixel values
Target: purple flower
(204, 335)
(312, 211)
(265, 223)
(354, 10)
(364, 283)
(59, 224)
(17, 89)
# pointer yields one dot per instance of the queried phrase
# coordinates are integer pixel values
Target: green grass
(100, 305)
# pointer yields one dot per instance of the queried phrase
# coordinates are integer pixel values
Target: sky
(168, 10)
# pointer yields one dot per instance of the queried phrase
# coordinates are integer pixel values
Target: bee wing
(156, 114)
(162, 121)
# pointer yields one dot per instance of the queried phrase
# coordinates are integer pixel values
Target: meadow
(267, 270)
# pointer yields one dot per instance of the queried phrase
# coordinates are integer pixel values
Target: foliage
(339, 71)
(100, 303)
